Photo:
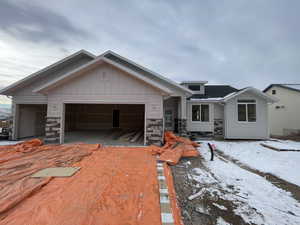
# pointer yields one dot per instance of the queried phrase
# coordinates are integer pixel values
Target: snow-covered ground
(284, 144)
(5, 142)
(285, 165)
(257, 200)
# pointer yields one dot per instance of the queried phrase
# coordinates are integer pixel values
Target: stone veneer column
(218, 127)
(52, 129)
(182, 131)
(11, 135)
(154, 132)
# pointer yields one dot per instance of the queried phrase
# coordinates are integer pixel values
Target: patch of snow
(8, 142)
(220, 206)
(285, 165)
(205, 99)
(198, 194)
(221, 221)
(202, 209)
(284, 144)
(258, 201)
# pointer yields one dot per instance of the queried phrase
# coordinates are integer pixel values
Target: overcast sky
(240, 43)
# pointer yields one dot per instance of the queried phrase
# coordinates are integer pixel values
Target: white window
(200, 113)
(246, 110)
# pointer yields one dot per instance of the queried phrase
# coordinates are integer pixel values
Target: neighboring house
(87, 92)
(284, 116)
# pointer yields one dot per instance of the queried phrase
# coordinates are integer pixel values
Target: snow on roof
(206, 99)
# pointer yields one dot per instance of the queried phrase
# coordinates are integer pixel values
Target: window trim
(240, 102)
(200, 107)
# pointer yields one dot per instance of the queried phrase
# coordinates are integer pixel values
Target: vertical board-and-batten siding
(26, 94)
(105, 85)
(246, 130)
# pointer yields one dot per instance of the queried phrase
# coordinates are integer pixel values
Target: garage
(110, 124)
(31, 120)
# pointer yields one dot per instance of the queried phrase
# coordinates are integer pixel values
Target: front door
(169, 125)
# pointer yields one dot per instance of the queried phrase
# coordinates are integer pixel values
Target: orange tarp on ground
(175, 147)
(18, 162)
(114, 186)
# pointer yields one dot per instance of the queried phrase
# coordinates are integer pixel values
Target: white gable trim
(15, 85)
(56, 82)
(257, 92)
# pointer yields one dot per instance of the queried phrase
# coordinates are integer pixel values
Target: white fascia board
(195, 82)
(33, 75)
(149, 71)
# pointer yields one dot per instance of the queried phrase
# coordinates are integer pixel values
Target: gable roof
(214, 91)
(54, 66)
(98, 60)
(255, 91)
(223, 97)
(151, 77)
(293, 87)
(143, 70)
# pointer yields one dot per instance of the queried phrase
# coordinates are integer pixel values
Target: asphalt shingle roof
(215, 91)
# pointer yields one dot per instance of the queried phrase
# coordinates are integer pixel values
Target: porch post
(13, 131)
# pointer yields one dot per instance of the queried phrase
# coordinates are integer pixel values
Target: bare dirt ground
(278, 182)
(208, 206)
(205, 210)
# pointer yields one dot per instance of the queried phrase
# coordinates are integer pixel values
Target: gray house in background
(99, 93)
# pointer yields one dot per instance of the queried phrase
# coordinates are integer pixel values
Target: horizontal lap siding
(245, 130)
(284, 115)
(106, 85)
(198, 126)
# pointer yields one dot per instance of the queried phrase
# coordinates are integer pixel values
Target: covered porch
(175, 114)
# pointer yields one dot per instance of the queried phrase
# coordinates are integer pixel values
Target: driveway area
(114, 186)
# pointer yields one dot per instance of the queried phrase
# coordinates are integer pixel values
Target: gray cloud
(25, 20)
(242, 43)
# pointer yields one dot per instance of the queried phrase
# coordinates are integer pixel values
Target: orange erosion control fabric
(18, 162)
(175, 147)
(114, 186)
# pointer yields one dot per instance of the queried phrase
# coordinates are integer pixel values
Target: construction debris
(175, 147)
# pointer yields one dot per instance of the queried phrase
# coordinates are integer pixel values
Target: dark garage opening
(110, 124)
(31, 120)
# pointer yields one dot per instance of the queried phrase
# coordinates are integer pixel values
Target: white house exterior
(87, 92)
(284, 116)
